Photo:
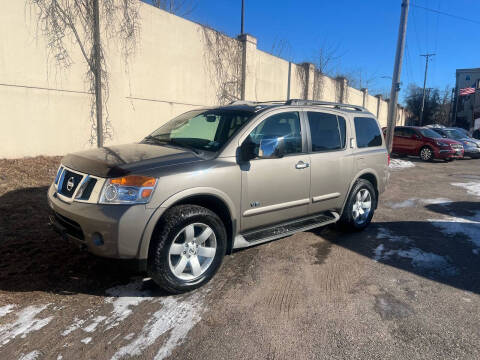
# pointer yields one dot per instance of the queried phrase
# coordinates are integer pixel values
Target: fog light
(97, 239)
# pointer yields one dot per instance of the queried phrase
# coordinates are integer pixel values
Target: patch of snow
(94, 324)
(415, 201)
(467, 225)
(175, 318)
(397, 164)
(473, 188)
(86, 340)
(4, 310)
(31, 355)
(378, 252)
(124, 298)
(129, 336)
(437, 201)
(419, 259)
(25, 323)
(60, 357)
(403, 204)
(385, 234)
(77, 323)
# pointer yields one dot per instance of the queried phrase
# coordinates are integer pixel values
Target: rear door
(330, 159)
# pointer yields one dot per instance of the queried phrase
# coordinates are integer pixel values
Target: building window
(467, 78)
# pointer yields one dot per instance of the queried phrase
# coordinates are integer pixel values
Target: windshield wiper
(189, 147)
(171, 143)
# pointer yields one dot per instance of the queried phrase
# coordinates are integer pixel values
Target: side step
(284, 229)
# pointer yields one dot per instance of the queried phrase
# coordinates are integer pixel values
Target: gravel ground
(407, 287)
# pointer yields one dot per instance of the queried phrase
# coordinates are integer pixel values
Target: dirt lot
(407, 287)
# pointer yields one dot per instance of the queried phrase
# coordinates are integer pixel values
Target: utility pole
(427, 56)
(242, 30)
(397, 69)
(97, 71)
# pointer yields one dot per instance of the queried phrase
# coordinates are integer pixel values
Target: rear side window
(328, 131)
(368, 133)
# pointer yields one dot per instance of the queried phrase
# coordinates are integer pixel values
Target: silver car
(217, 179)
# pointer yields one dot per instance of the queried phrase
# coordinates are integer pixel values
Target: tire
(171, 248)
(426, 153)
(348, 221)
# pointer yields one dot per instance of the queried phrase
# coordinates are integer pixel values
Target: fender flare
(358, 176)
(144, 246)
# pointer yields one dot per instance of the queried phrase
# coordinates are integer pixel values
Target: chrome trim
(276, 207)
(325, 197)
(94, 196)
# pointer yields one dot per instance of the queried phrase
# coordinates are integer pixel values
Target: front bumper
(472, 152)
(448, 154)
(113, 231)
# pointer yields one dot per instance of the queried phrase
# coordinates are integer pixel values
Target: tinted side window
(399, 132)
(368, 133)
(328, 131)
(286, 125)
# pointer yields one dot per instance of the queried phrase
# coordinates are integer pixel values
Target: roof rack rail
(325, 103)
(300, 102)
(246, 102)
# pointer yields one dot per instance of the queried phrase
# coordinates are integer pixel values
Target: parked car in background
(426, 143)
(471, 146)
(462, 130)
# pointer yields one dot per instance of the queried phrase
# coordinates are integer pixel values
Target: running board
(284, 229)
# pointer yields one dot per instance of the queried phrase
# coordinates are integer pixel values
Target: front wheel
(360, 206)
(426, 154)
(187, 249)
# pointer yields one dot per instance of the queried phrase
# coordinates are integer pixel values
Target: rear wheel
(187, 249)
(426, 153)
(360, 206)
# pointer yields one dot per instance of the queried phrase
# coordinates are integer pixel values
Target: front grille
(457, 146)
(70, 183)
(71, 227)
(87, 191)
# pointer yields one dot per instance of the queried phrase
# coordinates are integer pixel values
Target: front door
(275, 190)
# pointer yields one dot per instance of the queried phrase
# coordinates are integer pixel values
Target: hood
(121, 160)
(448, 141)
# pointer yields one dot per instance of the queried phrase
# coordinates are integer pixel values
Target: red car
(426, 143)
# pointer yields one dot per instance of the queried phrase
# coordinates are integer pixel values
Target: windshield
(204, 130)
(454, 134)
(430, 133)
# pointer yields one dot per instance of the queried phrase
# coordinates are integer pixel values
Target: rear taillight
(388, 159)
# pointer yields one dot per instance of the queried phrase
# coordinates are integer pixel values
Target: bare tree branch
(64, 23)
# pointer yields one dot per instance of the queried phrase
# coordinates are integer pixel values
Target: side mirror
(271, 148)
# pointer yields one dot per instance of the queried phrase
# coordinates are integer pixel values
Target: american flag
(467, 91)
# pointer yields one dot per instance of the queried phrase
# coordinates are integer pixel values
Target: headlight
(132, 189)
(442, 144)
(470, 144)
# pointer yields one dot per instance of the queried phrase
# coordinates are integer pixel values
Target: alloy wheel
(426, 154)
(362, 206)
(192, 251)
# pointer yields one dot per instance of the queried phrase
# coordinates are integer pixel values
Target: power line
(446, 14)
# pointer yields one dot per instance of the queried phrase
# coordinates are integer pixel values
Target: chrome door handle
(302, 165)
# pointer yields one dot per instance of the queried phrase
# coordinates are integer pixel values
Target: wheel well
(373, 180)
(216, 205)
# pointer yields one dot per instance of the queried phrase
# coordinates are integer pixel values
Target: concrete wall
(178, 65)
